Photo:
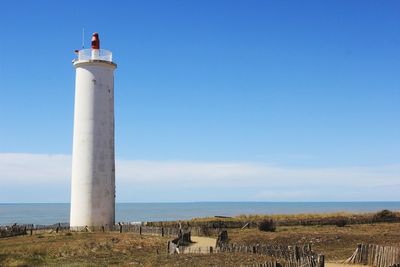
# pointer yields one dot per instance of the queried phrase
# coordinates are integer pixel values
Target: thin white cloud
(262, 181)
(34, 168)
(245, 173)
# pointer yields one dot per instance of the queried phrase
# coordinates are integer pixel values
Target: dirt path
(200, 241)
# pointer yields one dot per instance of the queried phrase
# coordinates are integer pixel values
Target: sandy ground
(200, 241)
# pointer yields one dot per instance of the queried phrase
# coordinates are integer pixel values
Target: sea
(51, 213)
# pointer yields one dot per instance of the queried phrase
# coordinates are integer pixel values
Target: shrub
(384, 215)
(341, 222)
(267, 225)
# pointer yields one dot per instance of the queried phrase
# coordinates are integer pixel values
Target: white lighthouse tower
(93, 157)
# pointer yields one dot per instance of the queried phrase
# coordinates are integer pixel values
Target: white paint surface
(93, 157)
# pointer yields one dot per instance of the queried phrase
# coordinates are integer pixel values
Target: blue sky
(222, 100)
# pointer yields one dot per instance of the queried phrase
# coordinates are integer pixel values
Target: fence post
(321, 261)
(296, 252)
(211, 250)
(359, 253)
(140, 230)
(162, 231)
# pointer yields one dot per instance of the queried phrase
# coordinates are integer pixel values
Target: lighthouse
(93, 156)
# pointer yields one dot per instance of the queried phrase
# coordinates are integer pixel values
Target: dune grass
(104, 249)
(126, 249)
(336, 243)
(292, 217)
(285, 219)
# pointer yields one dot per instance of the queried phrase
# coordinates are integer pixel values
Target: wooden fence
(276, 251)
(267, 264)
(12, 231)
(289, 256)
(148, 230)
(173, 249)
(303, 262)
(134, 228)
(376, 255)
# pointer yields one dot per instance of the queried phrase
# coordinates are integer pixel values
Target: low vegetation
(105, 249)
(341, 222)
(252, 221)
(336, 241)
(385, 215)
(267, 225)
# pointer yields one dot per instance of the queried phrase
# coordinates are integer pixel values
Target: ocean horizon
(51, 213)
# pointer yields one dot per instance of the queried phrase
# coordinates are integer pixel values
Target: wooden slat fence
(376, 255)
(266, 264)
(135, 228)
(303, 262)
(205, 231)
(291, 256)
(125, 227)
(276, 251)
(148, 230)
(12, 231)
(196, 250)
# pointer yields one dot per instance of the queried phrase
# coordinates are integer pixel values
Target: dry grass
(127, 249)
(77, 249)
(284, 219)
(300, 216)
(105, 249)
(290, 217)
(336, 243)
